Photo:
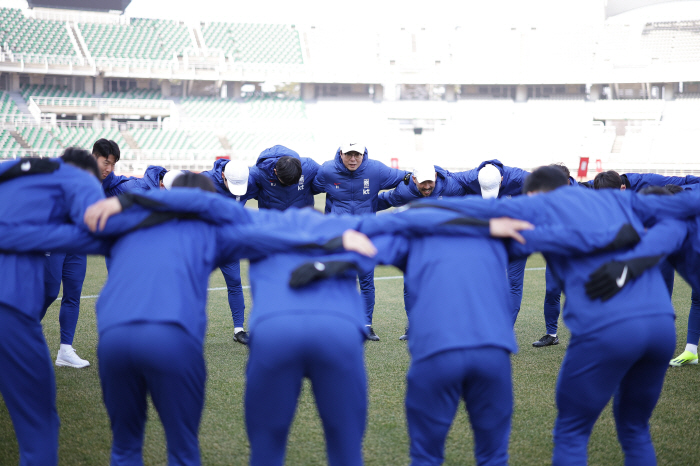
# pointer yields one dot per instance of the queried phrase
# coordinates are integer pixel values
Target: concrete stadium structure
(180, 94)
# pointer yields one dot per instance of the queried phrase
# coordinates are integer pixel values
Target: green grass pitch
(85, 435)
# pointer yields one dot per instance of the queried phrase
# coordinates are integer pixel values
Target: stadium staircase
(130, 140)
(79, 41)
(18, 137)
(617, 145)
(224, 142)
(19, 101)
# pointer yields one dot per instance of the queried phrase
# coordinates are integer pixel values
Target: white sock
(68, 347)
(237, 329)
(555, 335)
(692, 348)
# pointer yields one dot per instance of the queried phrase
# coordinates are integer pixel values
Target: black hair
(607, 180)
(561, 167)
(81, 159)
(660, 190)
(673, 188)
(106, 147)
(194, 180)
(288, 170)
(545, 179)
(625, 181)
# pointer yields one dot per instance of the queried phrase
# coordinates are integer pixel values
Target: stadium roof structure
(616, 7)
(86, 5)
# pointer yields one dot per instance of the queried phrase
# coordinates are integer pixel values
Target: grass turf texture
(85, 435)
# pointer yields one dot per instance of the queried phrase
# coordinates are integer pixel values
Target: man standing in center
(352, 183)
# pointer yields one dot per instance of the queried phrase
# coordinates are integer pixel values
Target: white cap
(490, 181)
(169, 177)
(424, 171)
(237, 177)
(352, 147)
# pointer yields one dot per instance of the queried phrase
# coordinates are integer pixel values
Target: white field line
(246, 287)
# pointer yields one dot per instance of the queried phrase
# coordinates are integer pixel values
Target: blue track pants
(627, 360)
(482, 377)
(367, 291)
(552, 302)
(69, 269)
(232, 276)
(165, 361)
(516, 276)
(28, 386)
(326, 349)
(694, 319)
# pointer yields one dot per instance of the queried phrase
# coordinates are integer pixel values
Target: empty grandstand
(181, 93)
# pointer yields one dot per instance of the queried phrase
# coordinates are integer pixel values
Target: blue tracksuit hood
(153, 176)
(215, 176)
(343, 169)
(268, 159)
(495, 162)
(511, 184)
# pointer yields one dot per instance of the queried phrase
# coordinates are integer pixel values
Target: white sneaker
(68, 357)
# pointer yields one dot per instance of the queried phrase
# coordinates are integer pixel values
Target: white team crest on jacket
(366, 190)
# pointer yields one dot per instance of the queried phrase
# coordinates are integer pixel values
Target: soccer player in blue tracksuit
(427, 180)
(620, 346)
(638, 182)
(552, 295)
(233, 182)
(71, 268)
(493, 179)
(37, 191)
(686, 261)
(352, 182)
(268, 187)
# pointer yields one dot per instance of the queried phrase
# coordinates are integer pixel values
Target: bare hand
(97, 214)
(359, 243)
(505, 227)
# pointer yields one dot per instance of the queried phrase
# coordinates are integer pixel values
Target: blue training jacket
(355, 192)
(445, 185)
(639, 181)
(456, 306)
(53, 198)
(162, 253)
(511, 185)
(215, 176)
(581, 208)
(265, 186)
(687, 259)
(114, 185)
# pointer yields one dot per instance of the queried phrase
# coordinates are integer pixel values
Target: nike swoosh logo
(623, 276)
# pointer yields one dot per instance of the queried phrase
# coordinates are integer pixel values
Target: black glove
(611, 277)
(313, 271)
(407, 178)
(626, 237)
